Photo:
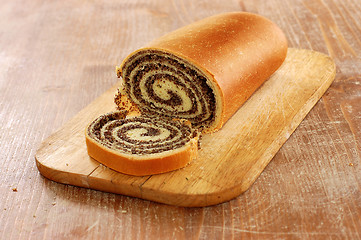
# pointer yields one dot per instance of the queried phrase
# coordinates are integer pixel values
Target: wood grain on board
(57, 57)
(249, 141)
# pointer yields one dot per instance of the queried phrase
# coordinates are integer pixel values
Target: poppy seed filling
(139, 135)
(163, 85)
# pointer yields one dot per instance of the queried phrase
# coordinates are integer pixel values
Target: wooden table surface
(58, 56)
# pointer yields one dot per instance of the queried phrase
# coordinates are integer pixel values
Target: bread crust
(237, 51)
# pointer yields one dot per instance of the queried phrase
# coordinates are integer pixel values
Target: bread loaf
(201, 73)
(205, 71)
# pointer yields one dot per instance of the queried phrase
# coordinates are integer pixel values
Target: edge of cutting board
(229, 161)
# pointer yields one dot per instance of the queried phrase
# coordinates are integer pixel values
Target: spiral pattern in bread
(141, 145)
(165, 86)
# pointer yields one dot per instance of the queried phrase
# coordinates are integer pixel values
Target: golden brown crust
(132, 165)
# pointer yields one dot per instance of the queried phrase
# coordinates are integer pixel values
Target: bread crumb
(15, 189)
(350, 164)
(53, 203)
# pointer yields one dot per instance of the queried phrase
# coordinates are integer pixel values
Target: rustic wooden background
(57, 56)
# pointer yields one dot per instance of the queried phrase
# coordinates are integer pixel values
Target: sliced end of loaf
(164, 85)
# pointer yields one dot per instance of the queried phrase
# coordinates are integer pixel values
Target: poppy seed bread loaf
(205, 71)
(199, 74)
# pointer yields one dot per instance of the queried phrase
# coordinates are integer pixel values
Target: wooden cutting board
(229, 161)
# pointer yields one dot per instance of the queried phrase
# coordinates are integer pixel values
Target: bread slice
(140, 145)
